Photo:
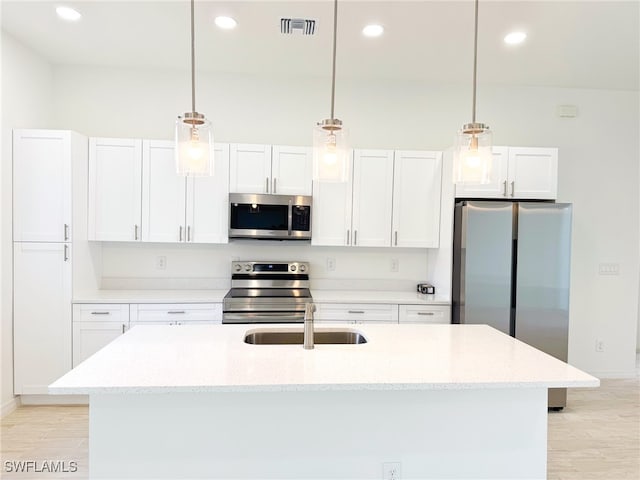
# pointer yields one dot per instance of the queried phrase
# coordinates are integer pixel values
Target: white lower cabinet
(440, 314)
(41, 315)
(174, 313)
(95, 326)
(356, 312)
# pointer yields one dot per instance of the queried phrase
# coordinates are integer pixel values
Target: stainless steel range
(267, 292)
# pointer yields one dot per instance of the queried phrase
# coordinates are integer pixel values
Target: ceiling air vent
(304, 26)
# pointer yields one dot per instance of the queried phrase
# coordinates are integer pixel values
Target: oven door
(263, 317)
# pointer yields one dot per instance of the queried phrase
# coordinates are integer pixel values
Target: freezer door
(542, 281)
(482, 264)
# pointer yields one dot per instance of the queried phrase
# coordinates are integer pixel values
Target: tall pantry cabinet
(42, 255)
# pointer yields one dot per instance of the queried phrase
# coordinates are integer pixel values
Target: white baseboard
(54, 399)
(9, 406)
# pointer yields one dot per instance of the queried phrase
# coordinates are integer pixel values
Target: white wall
(598, 168)
(26, 103)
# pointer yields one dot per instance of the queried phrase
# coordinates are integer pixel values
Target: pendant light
(194, 139)
(330, 151)
(473, 145)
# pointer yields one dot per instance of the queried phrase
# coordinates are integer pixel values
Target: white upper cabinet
(41, 315)
(207, 217)
(533, 173)
(115, 189)
(42, 185)
(163, 194)
(291, 170)
(356, 213)
(417, 181)
(372, 194)
(280, 170)
(250, 168)
(331, 212)
(518, 173)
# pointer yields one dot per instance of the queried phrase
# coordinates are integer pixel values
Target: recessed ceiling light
(226, 22)
(373, 30)
(514, 38)
(68, 13)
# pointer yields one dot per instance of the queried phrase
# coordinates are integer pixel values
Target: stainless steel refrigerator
(511, 268)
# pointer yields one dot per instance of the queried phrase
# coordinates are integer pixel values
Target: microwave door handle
(290, 215)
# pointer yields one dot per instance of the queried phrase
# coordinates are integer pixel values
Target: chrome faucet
(308, 326)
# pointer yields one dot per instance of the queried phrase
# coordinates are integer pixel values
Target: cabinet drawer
(98, 312)
(357, 312)
(424, 314)
(176, 312)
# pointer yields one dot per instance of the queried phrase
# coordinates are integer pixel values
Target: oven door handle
(262, 317)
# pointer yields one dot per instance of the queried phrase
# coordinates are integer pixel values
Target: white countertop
(377, 296)
(216, 296)
(209, 358)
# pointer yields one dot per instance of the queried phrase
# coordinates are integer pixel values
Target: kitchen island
(443, 401)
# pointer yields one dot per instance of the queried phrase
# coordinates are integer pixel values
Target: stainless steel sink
(292, 337)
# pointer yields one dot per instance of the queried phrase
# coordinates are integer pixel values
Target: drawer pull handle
(175, 311)
(100, 313)
(356, 311)
(426, 313)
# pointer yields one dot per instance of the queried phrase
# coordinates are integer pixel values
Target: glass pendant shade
(194, 146)
(330, 152)
(473, 156)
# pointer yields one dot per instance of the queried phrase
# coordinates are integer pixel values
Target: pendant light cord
(333, 76)
(475, 64)
(193, 62)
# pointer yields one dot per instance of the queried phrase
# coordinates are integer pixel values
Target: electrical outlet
(391, 471)
(331, 264)
(395, 265)
(599, 345)
(609, 269)
(161, 262)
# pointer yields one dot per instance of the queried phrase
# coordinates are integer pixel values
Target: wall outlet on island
(599, 345)
(391, 471)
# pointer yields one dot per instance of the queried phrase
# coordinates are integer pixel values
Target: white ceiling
(570, 43)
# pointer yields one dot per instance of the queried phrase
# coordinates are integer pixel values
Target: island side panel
(480, 433)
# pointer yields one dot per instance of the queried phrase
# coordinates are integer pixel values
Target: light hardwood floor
(596, 437)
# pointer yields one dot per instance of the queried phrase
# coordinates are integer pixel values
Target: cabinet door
(41, 186)
(41, 315)
(533, 173)
(250, 169)
(331, 212)
(89, 337)
(208, 202)
(291, 170)
(435, 314)
(497, 186)
(115, 189)
(357, 312)
(417, 180)
(172, 313)
(372, 198)
(163, 194)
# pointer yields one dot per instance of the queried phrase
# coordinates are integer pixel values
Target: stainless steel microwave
(276, 217)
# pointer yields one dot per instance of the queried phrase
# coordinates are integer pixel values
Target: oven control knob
(237, 268)
(303, 268)
(293, 268)
(247, 268)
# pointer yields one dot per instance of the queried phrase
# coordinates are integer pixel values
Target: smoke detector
(302, 25)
